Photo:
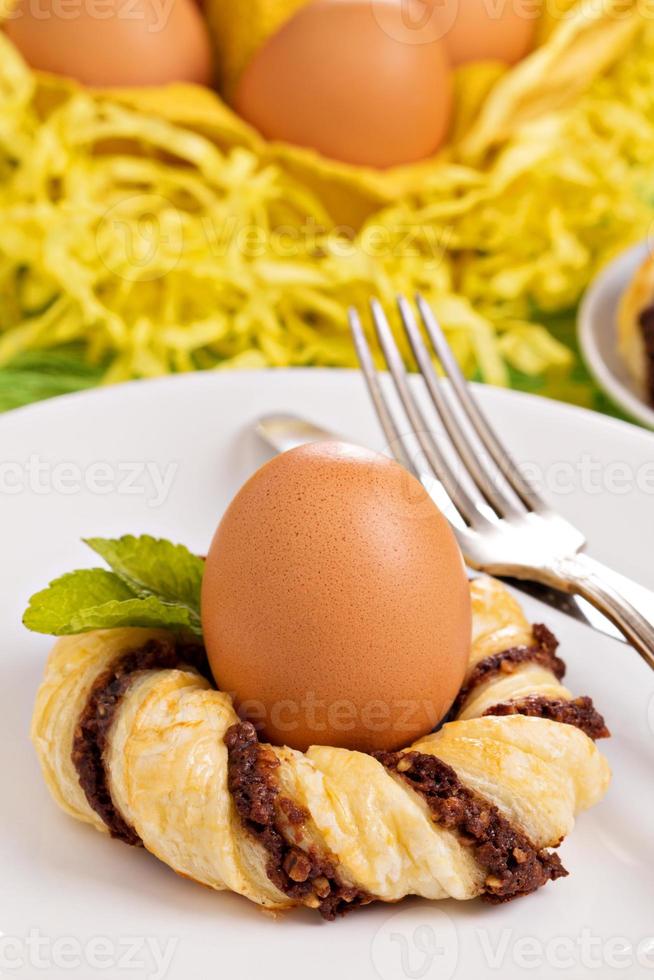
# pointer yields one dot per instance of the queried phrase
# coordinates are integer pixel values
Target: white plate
(598, 334)
(74, 901)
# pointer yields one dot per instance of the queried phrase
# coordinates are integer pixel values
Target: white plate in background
(597, 325)
(164, 458)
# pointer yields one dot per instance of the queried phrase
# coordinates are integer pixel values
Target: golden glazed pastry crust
(638, 297)
(362, 821)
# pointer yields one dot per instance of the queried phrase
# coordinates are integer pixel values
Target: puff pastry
(133, 739)
(636, 328)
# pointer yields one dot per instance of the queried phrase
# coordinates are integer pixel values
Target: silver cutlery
(503, 525)
(282, 432)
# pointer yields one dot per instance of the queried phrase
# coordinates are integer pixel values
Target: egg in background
(343, 78)
(335, 603)
(485, 30)
(118, 44)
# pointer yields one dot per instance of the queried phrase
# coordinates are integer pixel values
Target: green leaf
(154, 567)
(52, 610)
(36, 375)
(150, 613)
(94, 598)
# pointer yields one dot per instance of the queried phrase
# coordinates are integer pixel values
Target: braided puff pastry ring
(133, 739)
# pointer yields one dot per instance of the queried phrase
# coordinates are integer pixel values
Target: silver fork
(503, 525)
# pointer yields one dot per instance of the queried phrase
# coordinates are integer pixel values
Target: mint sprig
(152, 583)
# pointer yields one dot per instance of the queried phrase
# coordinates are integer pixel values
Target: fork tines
(476, 473)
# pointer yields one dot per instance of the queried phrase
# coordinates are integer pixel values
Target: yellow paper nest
(158, 229)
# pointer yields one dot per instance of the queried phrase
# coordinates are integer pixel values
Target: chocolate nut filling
(507, 661)
(277, 822)
(513, 865)
(581, 713)
(92, 731)
(646, 322)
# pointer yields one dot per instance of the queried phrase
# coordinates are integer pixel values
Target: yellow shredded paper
(170, 237)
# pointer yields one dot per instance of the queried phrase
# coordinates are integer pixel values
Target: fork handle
(629, 606)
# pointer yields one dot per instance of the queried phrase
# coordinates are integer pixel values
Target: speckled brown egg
(335, 603)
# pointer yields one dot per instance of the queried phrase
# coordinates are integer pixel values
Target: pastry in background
(350, 79)
(636, 328)
(152, 45)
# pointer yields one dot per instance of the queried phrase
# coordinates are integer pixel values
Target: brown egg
(114, 43)
(486, 30)
(335, 603)
(347, 78)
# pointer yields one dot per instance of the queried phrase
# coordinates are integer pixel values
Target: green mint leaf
(150, 612)
(93, 599)
(52, 610)
(154, 567)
